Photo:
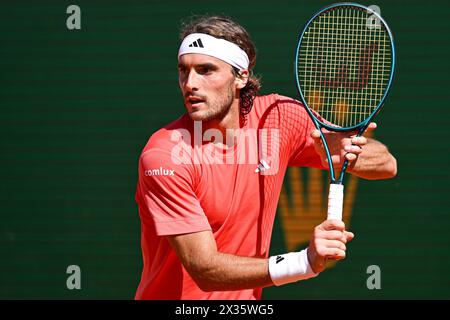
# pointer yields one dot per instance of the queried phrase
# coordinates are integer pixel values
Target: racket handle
(335, 201)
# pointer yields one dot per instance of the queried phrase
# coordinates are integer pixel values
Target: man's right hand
(328, 242)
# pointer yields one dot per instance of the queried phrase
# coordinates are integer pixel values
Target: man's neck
(229, 121)
(226, 125)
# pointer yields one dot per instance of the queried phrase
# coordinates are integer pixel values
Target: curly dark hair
(225, 28)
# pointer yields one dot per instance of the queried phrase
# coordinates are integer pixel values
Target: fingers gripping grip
(335, 201)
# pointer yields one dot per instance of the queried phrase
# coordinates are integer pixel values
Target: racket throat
(335, 201)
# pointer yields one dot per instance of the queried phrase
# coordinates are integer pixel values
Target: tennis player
(208, 189)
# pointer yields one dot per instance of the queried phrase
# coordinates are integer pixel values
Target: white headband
(214, 47)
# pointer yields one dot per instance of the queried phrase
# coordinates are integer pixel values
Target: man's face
(208, 86)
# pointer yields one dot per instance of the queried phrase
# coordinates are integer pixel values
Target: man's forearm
(231, 272)
(216, 271)
(213, 270)
(374, 162)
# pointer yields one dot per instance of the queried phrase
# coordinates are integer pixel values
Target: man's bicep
(190, 245)
(194, 250)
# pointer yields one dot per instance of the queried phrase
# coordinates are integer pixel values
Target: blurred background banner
(78, 105)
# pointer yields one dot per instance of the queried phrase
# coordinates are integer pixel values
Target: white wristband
(290, 267)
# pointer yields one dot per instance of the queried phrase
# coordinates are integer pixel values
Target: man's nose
(191, 82)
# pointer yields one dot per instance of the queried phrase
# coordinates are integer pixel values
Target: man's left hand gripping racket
(344, 67)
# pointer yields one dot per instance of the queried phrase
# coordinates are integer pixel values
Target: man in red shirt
(209, 182)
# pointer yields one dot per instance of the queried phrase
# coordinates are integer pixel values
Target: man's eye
(204, 70)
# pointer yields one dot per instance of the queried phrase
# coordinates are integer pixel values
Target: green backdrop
(76, 108)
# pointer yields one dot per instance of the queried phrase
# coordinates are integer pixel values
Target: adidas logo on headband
(219, 48)
(197, 43)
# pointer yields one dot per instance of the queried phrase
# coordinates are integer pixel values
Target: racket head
(346, 95)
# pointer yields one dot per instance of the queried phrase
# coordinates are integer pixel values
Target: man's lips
(194, 100)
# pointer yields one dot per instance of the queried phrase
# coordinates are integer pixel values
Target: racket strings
(344, 65)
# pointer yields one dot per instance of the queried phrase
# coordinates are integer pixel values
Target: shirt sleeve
(167, 190)
(304, 154)
(301, 147)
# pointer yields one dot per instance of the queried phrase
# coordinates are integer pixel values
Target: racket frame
(361, 127)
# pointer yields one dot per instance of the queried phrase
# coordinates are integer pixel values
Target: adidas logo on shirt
(197, 43)
(262, 166)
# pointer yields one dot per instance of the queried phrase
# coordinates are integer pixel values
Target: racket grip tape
(335, 201)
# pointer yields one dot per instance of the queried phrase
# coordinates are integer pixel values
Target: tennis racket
(344, 66)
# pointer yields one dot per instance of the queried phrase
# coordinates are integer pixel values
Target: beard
(216, 109)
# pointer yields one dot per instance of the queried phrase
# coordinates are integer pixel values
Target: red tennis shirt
(188, 182)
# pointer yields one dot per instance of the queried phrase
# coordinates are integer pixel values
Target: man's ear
(241, 79)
